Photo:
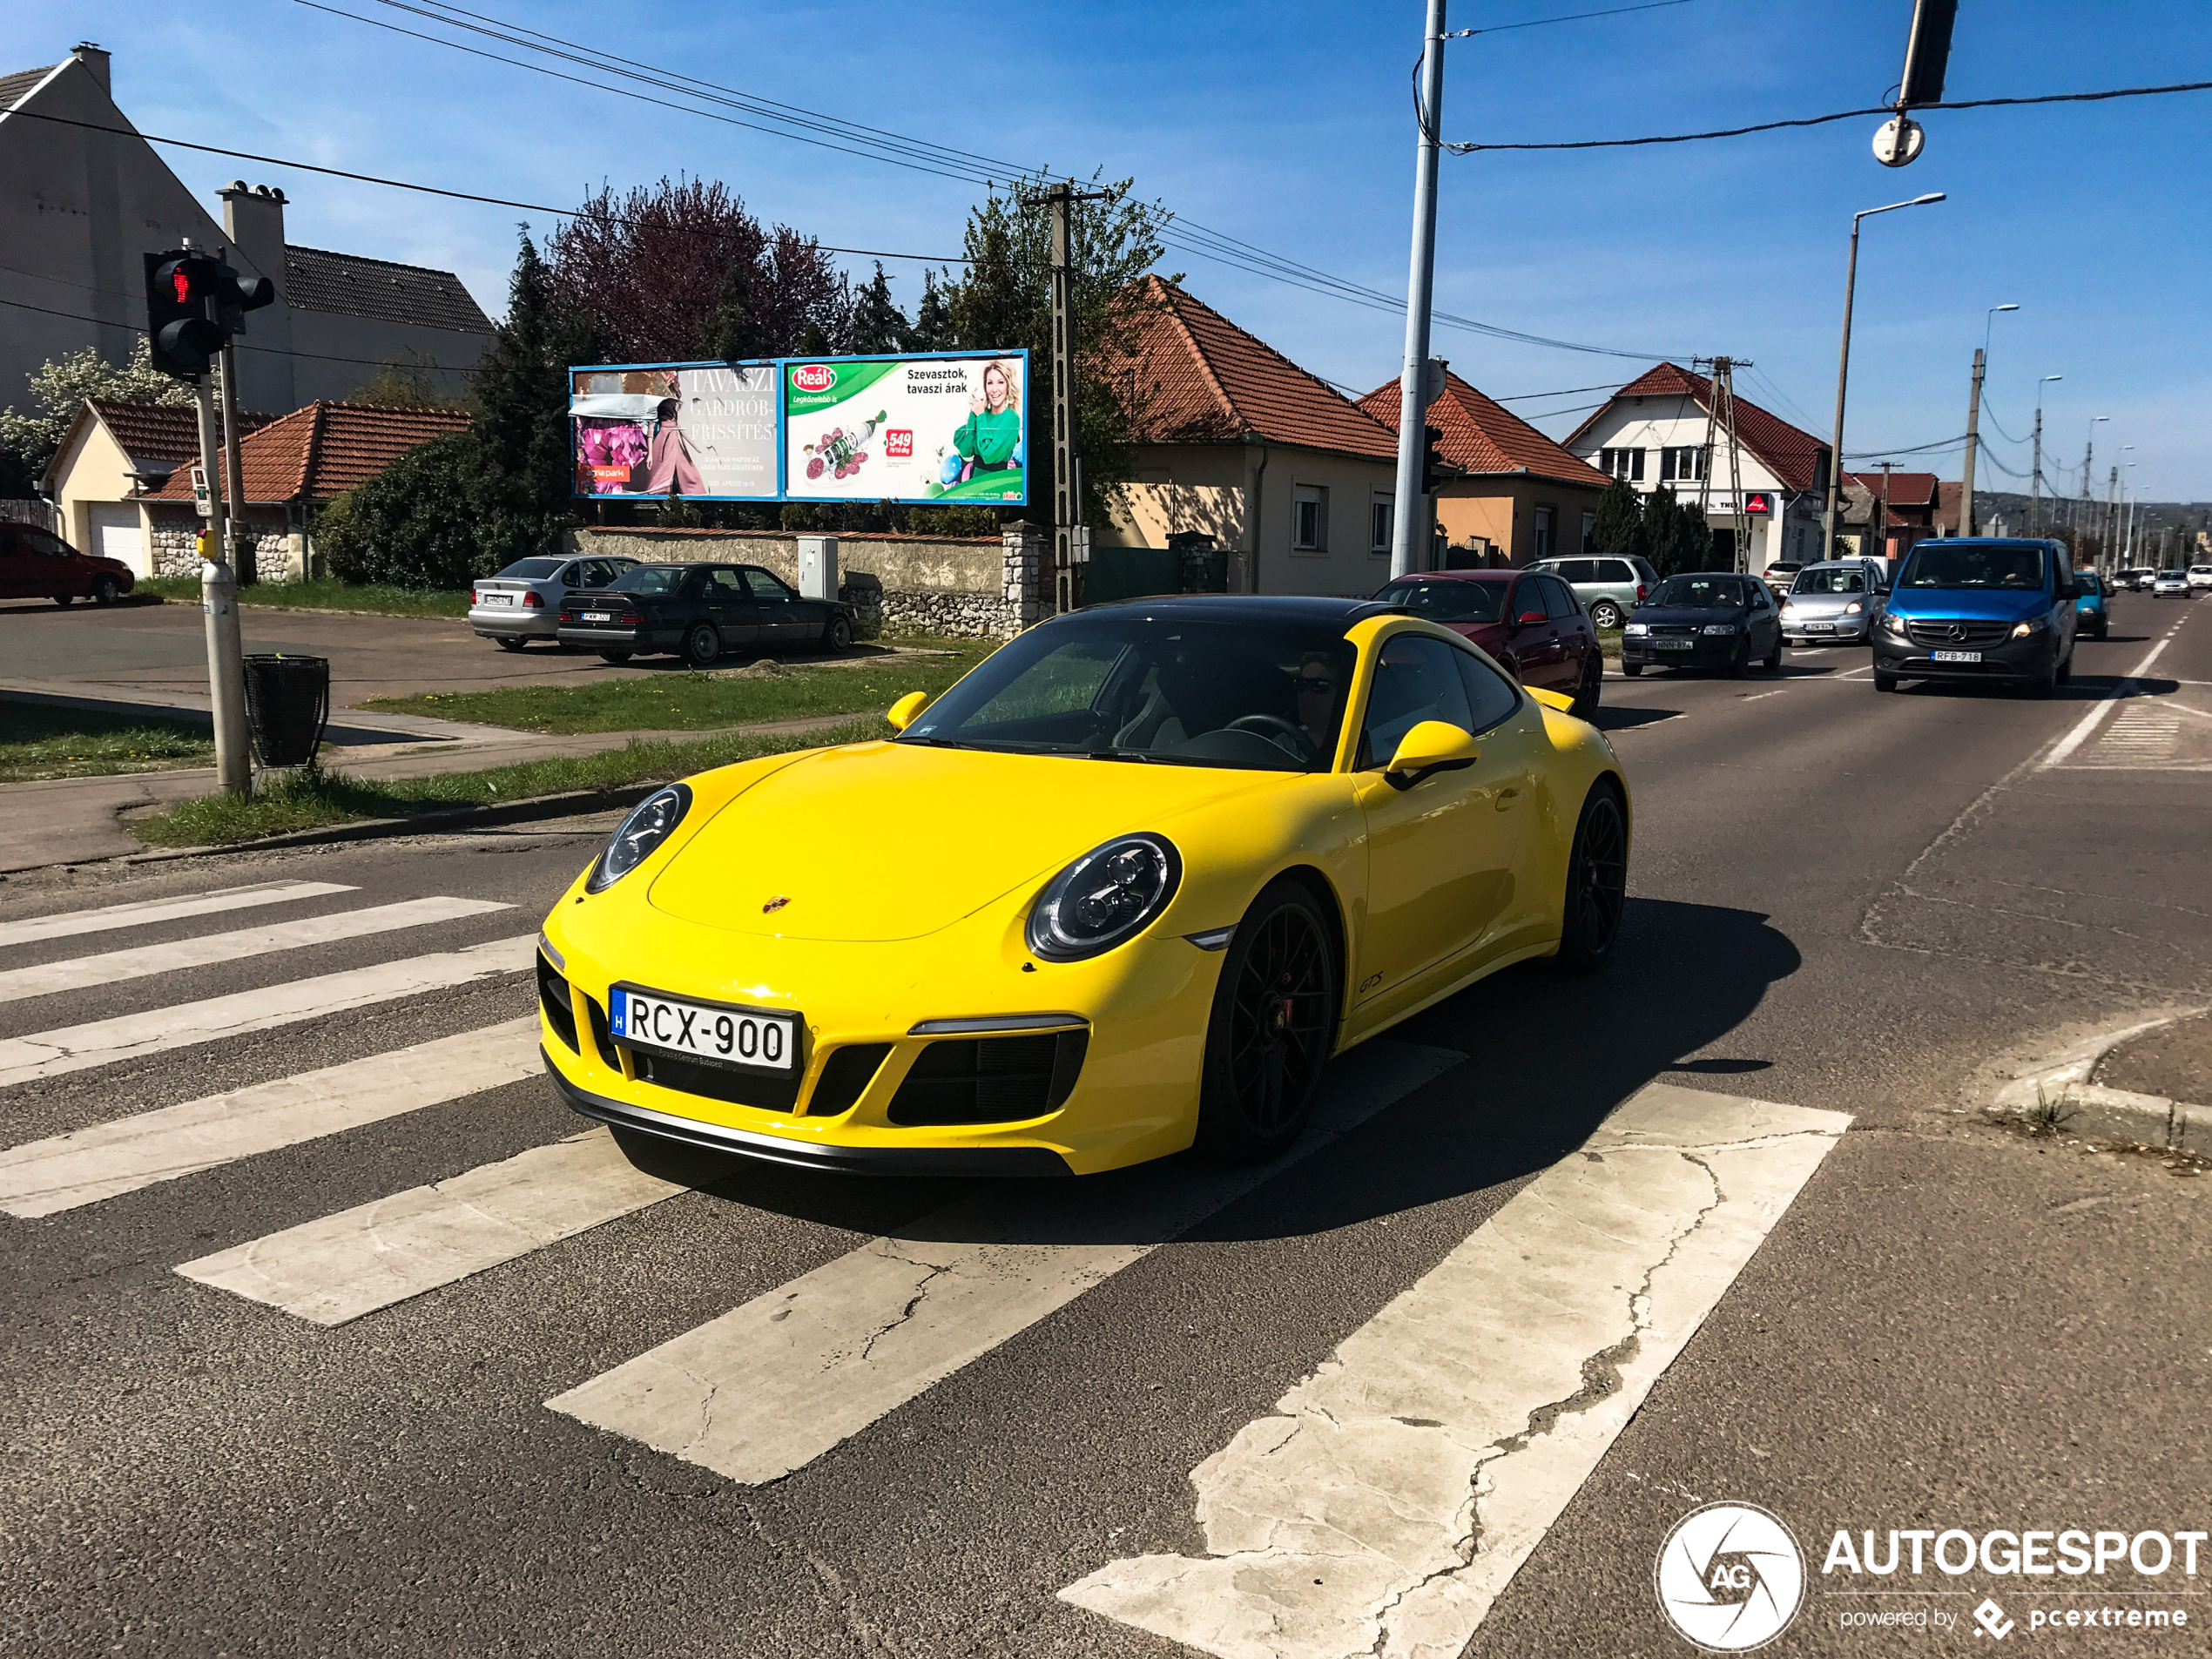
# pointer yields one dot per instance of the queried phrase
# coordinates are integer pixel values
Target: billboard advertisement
(927, 429)
(707, 430)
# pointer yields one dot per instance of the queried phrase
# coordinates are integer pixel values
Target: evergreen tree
(1694, 538)
(932, 324)
(523, 471)
(879, 326)
(731, 332)
(814, 342)
(1617, 529)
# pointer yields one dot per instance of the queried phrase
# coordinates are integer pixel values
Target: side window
(1616, 570)
(1527, 596)
(1559, 599)
(728, 588)
(36, 540)
(765, 586)
(1417, 679)
(1491, 697)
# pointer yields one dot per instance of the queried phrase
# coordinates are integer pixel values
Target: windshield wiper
(1124, 754)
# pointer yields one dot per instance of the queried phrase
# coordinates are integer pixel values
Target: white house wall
(1678, 421)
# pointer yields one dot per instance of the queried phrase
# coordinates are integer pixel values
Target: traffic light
(1433, 465)
(235, 296)
(181, 317)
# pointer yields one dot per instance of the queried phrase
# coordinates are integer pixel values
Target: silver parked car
(522, 602)
(1834, 603)
(1610, 587)
(2174, 582)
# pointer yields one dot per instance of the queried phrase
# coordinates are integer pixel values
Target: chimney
(95, 59)
(254, 221)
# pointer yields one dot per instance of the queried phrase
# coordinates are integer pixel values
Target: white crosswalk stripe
(339, 1267)
(102, 1042)
(79, 972)
(1391, 1496)
(65, 1171)
(68, 923)
(792, 1373)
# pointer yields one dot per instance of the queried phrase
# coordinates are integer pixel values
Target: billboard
(705, 430)
(923, 429)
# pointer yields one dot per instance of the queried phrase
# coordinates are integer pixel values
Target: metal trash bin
(287, 702)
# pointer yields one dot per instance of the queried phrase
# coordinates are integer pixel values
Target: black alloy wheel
(702, 645)
(1273, 1025)
(1605, 614)
(613, 657)
(1597, 883)
(104, 592)
(837, 634)
(1593, 678)
(509, 642)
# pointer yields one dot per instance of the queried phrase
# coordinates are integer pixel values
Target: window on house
(1589, 524)
(1382, 524)
(1684, 461)
(1546, 520)
(1622, 463)
(1309, 518)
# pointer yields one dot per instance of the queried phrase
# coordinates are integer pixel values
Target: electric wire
(266, 351)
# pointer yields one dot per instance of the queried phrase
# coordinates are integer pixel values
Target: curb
(2095, 1112)
(567, 805)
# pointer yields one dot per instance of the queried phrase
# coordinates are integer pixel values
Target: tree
(932, 324)
(524, 472)
(879, 326)
(731, 333)
(1617, 528)
(403, 382)
(58, 389)
(411, 525)
(1694, 538)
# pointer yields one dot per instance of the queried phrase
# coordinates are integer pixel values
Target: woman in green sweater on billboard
(993, 430)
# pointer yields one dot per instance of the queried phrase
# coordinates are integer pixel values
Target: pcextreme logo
(1729, 1577)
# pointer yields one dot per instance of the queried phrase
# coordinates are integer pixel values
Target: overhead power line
(266, 351)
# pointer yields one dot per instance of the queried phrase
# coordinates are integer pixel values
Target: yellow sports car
(1123, 889)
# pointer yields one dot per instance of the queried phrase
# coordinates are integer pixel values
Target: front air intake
(989, 1080)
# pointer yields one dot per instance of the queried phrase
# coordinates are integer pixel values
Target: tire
(2065, 675)
(1593, 680)
(104, 591)
(1772, 661)
(2046, 684)
(837, 634)
(1632, 669)
(1605, 614)
(508, 641)
(1740, 665)
(64, 599)
(614, 655)
(1273, 1026)
(702, 645)
(1884, 682)
(1597, 883)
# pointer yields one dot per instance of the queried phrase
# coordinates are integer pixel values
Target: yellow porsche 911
(1124, 889)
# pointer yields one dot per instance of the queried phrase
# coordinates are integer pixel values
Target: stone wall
(173, 538)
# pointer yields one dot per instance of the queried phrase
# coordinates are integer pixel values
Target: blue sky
(1289, 125)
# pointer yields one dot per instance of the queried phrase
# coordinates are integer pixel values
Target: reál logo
(815, 377)
(1729, 1577)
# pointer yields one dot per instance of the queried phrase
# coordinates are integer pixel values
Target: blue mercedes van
(1979, 608)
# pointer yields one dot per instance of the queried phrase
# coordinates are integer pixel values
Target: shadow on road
(1607, 719)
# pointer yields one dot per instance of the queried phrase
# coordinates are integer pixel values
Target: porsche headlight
(1720, 627)
(646, 827)
(1104, 897)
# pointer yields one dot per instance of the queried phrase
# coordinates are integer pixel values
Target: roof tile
(313, 453)
(1791, 454)
(316, 280)
(1481, 436)
(152, 435)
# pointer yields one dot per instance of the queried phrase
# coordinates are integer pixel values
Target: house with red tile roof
(113, 454)
(1520, 497)
(1882, 514)
(1286, 475)
(1655, 431)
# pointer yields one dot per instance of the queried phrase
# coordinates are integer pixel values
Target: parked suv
(1979, 608)
(1608, 587)
(36, 564)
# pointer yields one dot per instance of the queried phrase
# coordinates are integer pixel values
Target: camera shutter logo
(1729, 1577)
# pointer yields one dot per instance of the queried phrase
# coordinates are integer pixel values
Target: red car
(36, 564)
(1529, 620)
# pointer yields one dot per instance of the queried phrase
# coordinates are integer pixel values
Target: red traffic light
(183, 281)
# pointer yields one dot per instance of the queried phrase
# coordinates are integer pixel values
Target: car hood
(1971, 605)
(1672, 614)
(1823, 604)
(885, 841)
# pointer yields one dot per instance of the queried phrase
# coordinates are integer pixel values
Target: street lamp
(2127, 488)
(1973, 424)
(2088, 455)
(2035, 472)
(1843, 367)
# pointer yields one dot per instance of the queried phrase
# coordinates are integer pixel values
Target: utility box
(818, 567)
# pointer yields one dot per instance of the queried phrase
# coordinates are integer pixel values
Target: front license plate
(1820, 627)
(1955, 656)
(1672, 644)
(647, 1017)
(599, 616)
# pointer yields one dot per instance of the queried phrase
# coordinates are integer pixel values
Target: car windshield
(1699, 593)
(1832, 578)
(531, 569)
(1973, 564)
(2092, 585)
(650, 578)
(1447, 601)
(1137, 686)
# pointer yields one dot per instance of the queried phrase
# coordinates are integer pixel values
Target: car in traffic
(2132, 580)
(2092, 616)
(697, 611)
(1710, 619)
(1779, 575)
(523, 602)
(1834, 603)
(1607, 588)
(35, 563)
(1997, 610)
(1122, 891)
(2175, 582)
(1528, 621)
(2199, 576)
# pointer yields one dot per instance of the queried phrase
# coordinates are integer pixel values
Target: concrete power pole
(1409, 524)
(218, 600)
(237, 546)
(1973, 448)
(2036, 477)
(1067, 474)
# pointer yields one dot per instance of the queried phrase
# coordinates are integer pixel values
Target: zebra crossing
(1351, 1500)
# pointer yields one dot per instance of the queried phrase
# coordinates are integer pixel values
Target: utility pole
(237, 545)
(1973, 448)
(1409, 524)
(218, 600)
(1724, 400)
(1876, 537)
(2035, 476)
(1067, 477)
(2111, 524)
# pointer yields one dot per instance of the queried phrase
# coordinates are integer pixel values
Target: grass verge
(370, 599)
(38, 740)
(679, 700)
(310, 798)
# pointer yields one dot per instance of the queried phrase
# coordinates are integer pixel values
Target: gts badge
(1370, 982)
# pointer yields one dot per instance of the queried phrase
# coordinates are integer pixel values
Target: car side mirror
(1432, 746)
(904, 711)
(1528, 620)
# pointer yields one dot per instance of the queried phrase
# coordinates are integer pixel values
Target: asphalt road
(1857, 904)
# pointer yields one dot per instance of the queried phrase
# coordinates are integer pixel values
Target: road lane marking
(770, 1386)
(341, 1266)
(1755, 696)
(65, 1171)
(80, 972)
(2066, 745)
(146, 912)
(102, 1042)
(1391, 1496)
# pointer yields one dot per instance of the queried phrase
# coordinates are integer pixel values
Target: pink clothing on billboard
(669, 463)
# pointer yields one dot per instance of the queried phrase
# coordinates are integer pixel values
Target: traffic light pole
(241, 552)
(219, 601)
(1409, 527)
